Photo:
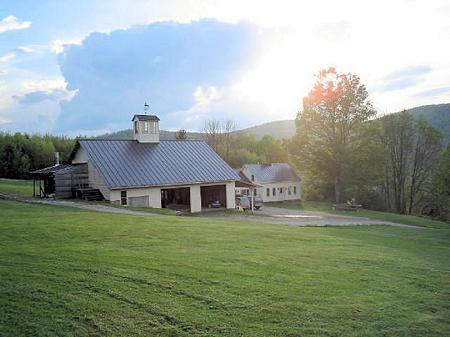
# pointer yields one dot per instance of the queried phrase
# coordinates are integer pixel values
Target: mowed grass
(17, 186)
(69, 272)
(318, 206)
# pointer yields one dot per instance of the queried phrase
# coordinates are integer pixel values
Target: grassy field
(318, 206)
(16, 186)
(69, 272)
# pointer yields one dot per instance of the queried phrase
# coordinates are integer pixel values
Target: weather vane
(146, 107)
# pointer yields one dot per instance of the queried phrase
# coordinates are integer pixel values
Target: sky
(84, 67)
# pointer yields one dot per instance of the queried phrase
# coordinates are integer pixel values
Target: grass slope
(68, 272)
(17, 186)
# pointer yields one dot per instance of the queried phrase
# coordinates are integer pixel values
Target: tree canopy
(331, 124)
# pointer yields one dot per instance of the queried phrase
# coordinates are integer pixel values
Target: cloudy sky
(85, 66)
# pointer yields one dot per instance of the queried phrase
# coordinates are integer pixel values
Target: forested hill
(438, 115)
(163, 135)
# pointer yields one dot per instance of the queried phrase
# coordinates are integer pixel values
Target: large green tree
(330, 125)
(414, 149)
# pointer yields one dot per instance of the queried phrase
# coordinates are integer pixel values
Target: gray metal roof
(49, 170)
(145, 118)
(128, 163)
(244, 181)
(273, 173)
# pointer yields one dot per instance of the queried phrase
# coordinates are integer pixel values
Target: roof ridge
(133, 140)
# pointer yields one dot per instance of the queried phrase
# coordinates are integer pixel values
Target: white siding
(97, 181)
(196, 199)
(280, 196)
(230, 195)
(80, 157)
(153, 193)
(152, 134)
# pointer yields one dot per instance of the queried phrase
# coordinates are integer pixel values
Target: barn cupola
(146, 127)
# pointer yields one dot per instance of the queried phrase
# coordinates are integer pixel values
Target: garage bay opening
(213, 196)
(176, 198)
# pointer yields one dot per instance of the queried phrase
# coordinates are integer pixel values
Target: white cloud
(5, 58)
(25, 49)
(12, 23)
(58, 45)
(44, 85)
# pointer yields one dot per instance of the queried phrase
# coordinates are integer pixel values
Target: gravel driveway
(307, 218)
(78, 204)
(273, 215)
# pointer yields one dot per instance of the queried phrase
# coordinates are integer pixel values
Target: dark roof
(146, 117)
(273, 173)
(128, 163)
(244, 181)
(49, 170)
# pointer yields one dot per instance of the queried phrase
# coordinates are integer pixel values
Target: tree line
(394, 163)
(22, 153)
(238, 149)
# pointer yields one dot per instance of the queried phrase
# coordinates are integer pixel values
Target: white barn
(147, 172)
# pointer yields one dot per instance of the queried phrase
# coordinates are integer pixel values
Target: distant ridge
(437, 114)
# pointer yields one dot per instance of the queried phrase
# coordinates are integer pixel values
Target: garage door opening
(176, 198)
(214, 196)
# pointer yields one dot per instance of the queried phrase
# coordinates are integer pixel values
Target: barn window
(295, 189)
(253, 177)
(274, 191)
(135, 126)
(123, 198)
(145, 127)
(268, 192)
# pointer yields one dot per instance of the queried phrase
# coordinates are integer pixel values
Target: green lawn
(69, 272)
(16, 186)
(386, 216)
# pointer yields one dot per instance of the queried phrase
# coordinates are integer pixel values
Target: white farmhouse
(276, 182)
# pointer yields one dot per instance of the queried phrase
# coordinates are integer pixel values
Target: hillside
(438, 115)
(163, 135)
(278, 129)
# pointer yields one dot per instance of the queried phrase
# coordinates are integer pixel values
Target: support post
(252, 192)
(196, 199)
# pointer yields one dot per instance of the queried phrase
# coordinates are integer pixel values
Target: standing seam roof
(128, 163)
(273, 173)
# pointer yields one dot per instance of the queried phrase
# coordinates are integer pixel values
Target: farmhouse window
(268, 192)
(253, 177)
(295, 189)
(289, 190)
(274, 191)
(123, 198)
